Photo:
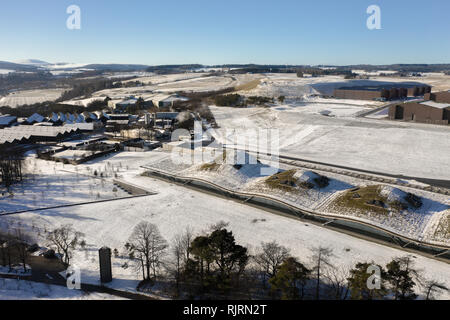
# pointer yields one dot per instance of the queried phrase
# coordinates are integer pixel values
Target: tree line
(212, 265)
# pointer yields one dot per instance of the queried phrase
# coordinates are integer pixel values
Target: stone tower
(105, 265)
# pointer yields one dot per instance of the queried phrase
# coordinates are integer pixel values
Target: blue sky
(217, 32)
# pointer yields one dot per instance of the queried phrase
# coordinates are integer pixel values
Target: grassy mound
(248, 86)
(365, 199)
(231, 161)
(214, 166)
(210, 166)
(287, 181)
(378, 199)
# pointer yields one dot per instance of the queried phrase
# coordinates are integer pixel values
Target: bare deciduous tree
(148, 246)
(321, 259)
(338, 283)
(65, 239)
(21, 241)
(271, 255)
(178, 252)
(432, 287)
(6, 240)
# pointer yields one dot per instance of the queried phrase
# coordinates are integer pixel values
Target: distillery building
(382, 92)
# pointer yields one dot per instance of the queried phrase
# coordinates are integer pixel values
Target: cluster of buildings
(157, 100)
(55, 119)
(60, 126)
(382, 92)
(24, 134)
(435, 109)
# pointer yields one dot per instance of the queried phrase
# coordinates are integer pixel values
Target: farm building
(27, 134)
(83, 127)
(124, 104)
(164, 100)
(381, 92)
(426, 112)
(117, 120)
(166, 115)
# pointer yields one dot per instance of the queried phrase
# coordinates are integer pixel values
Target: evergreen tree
(217, 258)
(358, 283)
(290, 279)
(400, 277)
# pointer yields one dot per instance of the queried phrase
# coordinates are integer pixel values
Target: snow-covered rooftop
(35, 118)
(436, 104)
(19, 133)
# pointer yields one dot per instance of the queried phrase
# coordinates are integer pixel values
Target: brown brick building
(440, 97)
(387, 92)
(426, 112)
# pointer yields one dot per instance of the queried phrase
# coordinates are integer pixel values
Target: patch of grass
(210, 166)
(283, 180)
(286, 181)
(364, 200)
(248, 86)
(228, 100)
(214, 166)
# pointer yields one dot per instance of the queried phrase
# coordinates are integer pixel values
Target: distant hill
(174, 68)
(32, 62)
(117, 67)
(33, 65)
(16, 66)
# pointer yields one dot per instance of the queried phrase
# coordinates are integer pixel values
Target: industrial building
(426, 112)
(439, 97)
(164, 101)
(382, 92)
(32, 134)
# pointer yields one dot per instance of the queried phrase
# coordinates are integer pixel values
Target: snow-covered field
(326, 130)
(410, 149)
(288, 85)
(5, 71)
(82, 102)
(49, 184)
(167, 78)
(174, 208)
(197, 84)
(193, 82)
(20, 98)
(11, 289)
